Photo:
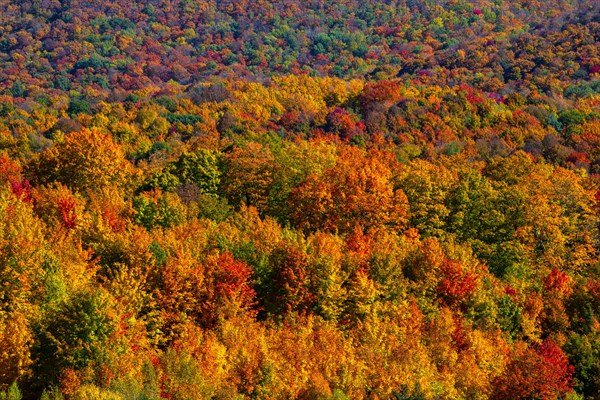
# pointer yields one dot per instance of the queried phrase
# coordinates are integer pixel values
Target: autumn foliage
(299, 200)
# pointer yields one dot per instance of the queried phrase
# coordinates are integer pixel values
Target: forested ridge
(299, 199)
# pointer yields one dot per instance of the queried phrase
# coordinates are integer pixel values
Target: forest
(300, 199)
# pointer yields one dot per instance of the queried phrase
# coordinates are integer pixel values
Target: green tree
(74, 336)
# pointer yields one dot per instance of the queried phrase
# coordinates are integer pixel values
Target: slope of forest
(252, 199)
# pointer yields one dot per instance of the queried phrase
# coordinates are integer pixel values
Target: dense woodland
(252, 199)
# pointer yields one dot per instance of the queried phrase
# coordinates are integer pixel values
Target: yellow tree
(86, 160)
(15, 342)
(248, 175)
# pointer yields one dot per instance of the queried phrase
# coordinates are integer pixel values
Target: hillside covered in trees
(252, 199)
